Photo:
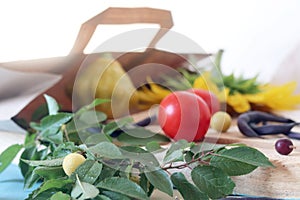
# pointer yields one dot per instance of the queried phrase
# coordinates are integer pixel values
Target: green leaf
(64, 149)
(8, 155)
(107, 172)
(89, 171)
(30, 178)
(173, 156)
(92, 117)
(83, 191)
(49, 163)
(42, 196)
(50, 172)
(188, 157)
(232, 168)
(54, 183)
(187, 189)
(95, 103)
(36, 126)
(132, 137)
(205, 147)
(123, 186)
(96, 138)
(139, 155)
(71, 126)
(28, 171)
(212, 181)
(55, 121)
(56, 138)
(241, 84)
(29, 140)
(240, 160)
(139, 132)
(160, 180)
(102, 197)
(115, 125)
(153, 146)
(106, 149)
(52, 123)
(39, 113)
(180, 144)
(255, 157)
(60, 196)
(115, 196)
(53, 106)
(30, 153)
(175, 152)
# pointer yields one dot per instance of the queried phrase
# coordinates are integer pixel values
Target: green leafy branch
(122, 167)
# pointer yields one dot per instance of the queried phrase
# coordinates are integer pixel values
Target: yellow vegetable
(106, 79)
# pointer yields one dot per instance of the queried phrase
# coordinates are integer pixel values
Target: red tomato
(210, 99)
(183, 115)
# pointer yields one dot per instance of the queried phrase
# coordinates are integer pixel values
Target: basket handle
(123, 16)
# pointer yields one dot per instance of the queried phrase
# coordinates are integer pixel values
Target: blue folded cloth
(11, 184)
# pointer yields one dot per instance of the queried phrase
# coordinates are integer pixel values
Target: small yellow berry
(220, 121)
(71, 162)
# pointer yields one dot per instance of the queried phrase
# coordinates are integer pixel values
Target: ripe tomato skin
(183, 115)
(210, 99)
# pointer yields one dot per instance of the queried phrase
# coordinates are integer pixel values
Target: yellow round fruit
(220, 121)
(71, 162)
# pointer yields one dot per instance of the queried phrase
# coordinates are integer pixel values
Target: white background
(256, 34)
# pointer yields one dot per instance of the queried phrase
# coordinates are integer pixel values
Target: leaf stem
(64, 130)
(187, 164)
(79, 183)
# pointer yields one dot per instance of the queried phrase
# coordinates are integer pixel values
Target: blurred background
(257, 36)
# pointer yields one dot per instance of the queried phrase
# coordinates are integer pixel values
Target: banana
(151, 94)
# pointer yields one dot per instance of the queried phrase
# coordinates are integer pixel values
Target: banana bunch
(150, 94)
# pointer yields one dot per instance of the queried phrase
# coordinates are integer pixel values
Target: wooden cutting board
(282, 181)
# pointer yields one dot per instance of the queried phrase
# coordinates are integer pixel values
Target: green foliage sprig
(129, 170)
